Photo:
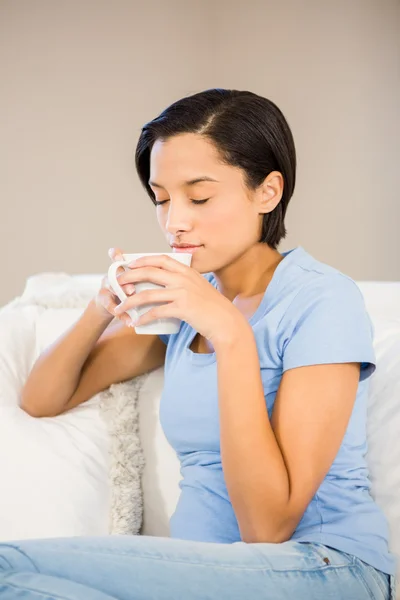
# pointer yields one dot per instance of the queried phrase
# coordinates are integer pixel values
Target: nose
(178, 218)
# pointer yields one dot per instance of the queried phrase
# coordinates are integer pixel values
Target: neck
(250, 274)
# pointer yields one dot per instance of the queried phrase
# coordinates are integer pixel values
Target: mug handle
(112, 278)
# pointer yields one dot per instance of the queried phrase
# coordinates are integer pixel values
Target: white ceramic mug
(158, 326)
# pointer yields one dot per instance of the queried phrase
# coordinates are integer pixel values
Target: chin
(199, 265)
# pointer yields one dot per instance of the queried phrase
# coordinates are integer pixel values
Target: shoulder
(326, 302)
(323, 318)
(334, 292)
(318, 295)
(308, 283)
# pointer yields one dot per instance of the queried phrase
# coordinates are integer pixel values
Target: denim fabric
(154, 568)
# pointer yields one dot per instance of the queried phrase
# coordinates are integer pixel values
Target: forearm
(253, 465)
(55, 375)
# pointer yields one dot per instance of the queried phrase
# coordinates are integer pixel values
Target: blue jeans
(155, 568)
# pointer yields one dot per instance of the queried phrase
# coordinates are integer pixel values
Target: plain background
(79, 78)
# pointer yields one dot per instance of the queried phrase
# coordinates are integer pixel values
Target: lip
(190, 249)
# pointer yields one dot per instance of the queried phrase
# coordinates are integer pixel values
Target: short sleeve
(327, 322)
(164, 337)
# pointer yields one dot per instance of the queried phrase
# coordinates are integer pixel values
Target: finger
(110, 305)
(115, 254)
(147, 297)
(128, 288)
(125, 319)
(153, 274)
(106, 299)
(164, 311)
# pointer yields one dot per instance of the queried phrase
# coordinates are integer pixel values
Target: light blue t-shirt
(310, 314)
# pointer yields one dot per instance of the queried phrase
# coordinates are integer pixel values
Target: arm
(86, 360)
(273, 468)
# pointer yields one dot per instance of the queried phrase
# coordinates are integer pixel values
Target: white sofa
(161, 472)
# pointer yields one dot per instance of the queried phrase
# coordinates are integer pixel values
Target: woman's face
(225, 226)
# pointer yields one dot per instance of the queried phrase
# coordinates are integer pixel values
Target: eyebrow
(190, 182)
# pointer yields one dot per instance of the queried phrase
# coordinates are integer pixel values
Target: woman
(265, 386)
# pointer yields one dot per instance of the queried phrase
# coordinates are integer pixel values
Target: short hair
(249, 132)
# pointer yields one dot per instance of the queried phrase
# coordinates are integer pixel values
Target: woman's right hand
(106, 300)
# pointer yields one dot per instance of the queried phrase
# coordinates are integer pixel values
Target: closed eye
(200, 201)
(160, 202)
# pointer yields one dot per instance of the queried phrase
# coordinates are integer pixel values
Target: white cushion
(55, 471)
(17, 350)
(54, 475)
(383, 426)
(382, 298)
(161, 475)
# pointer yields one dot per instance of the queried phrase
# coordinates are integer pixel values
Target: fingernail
(110, 252)
(130, 289)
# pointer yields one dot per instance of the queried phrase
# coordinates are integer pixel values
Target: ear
(270, 192)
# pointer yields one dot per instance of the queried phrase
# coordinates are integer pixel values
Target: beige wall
(79, 77)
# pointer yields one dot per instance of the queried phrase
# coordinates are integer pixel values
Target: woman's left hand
(189, 297)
